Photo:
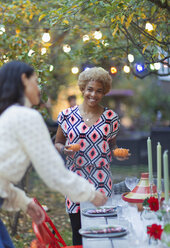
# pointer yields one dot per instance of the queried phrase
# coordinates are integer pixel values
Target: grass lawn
(56, 204)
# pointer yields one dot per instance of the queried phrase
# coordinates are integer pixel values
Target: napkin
(100, 211)
(116, 229)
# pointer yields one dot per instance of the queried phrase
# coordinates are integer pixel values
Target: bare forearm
(59, 147)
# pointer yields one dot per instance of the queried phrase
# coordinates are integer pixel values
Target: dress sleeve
(61, 120)
(115, 125)
(36, 142)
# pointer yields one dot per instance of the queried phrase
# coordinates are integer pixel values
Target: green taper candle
(166, 176)
(149, 146)
(159, 170)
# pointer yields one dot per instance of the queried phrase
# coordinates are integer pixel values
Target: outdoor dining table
(135, 237)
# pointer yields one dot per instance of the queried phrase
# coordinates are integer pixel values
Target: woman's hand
(35, 212)
(68, 152)
(99, 199)
(123, 158)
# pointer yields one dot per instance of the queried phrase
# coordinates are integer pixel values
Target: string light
(97, 35)
(126, 69)
(46, 37)
(149, 26)
(105, 43)
(2, 29)
(86, 38)
(86, 68)
(5, 59)
(66, 48)
(152, 67)
(31, 52)
(130, 58)
(51, 68)
(75, 70)
(139, 68)
(113, 70)
(157, 66)
(43, 51)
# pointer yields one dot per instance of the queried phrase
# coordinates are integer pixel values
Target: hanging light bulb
(66, 48)
(31, 52)
(139, 68)
(5, 59)
(97, 35)
(126, 69)
(2, 29)
(152, 67)
(86, 38)
(149, 26)
(105, 43)
(46, 37)
(75, 70)
(86, 68)
(43, 51)
(157, 66)
(130, 58)
(51, 68)
(113, 70)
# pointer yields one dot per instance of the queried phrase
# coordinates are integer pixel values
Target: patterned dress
(93, 160)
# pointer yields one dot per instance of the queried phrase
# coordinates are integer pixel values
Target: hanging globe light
(149, 26)
(75, 70)
(43, 51)
(97, 35)
(46, 37)
(157, 66)
(126, 69)
(86, 38)
(130, 58)
(51, 68)
(66, 48)
(2, 29)
(31, 52)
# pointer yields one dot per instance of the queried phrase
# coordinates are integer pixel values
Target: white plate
(103, 235)
(103, 214)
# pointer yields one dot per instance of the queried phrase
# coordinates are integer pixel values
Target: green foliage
(167, 228)
(122, 24)
(145, 202)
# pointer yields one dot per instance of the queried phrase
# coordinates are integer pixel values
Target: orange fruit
(74, 147)
(121, 152)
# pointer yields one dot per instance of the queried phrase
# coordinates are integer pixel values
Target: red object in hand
(153, 203)
(155, 231)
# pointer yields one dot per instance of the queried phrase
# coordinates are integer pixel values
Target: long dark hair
(11, 86)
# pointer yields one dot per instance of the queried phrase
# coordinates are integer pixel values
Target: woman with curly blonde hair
(94, 128)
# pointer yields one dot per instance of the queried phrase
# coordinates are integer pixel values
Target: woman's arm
(36, 143)
(60, 141)
(112, 144)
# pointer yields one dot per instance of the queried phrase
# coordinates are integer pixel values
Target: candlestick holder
(159, 192)
(166, 211)
(151, 186)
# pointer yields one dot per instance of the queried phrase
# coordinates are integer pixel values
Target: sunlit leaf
(41, 17)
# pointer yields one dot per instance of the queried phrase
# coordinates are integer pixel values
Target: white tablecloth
(129, 217)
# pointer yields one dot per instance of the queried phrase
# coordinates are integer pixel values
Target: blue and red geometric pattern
(93, 160)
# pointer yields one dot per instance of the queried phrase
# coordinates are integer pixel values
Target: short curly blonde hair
(95, 74)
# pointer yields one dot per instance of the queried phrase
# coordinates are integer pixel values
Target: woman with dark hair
(24, 138)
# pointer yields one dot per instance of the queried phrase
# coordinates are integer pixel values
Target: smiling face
(93, 93)
(31, 91)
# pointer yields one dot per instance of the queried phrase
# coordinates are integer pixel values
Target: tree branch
(160, 4)
(149, 35)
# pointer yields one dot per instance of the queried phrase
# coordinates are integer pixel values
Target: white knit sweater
(24, 138)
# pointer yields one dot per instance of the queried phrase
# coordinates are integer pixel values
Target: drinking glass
(131, 182)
